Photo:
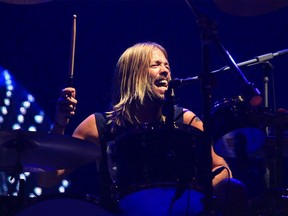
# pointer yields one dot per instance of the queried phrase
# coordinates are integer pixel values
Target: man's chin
(156, 98)
(159, 98)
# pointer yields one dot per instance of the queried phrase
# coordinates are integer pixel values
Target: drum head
(62, 205)
(162, 201)
(236, 128)
(239, 142)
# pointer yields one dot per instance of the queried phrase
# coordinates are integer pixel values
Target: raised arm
(65, 108)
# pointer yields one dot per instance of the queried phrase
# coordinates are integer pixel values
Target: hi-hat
(36, 152)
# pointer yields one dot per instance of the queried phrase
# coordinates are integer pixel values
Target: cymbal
(24, 2)
(37, 152)
(250, 7)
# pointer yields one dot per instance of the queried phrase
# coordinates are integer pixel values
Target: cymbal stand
(267, 68)
(15, 202)
(275, 169)
(9, 204)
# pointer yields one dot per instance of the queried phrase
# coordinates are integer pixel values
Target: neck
(149, 113)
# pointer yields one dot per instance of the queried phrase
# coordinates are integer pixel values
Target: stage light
(30, 98)
(20, 119)
(61, 189)
(32, 195)
(4, 110)
(38, 191)
(65, 183)
(32, 128)
(7, 102)
(23, 111)
(26, 104)
(7, 75)
(39, 118)
(8, 94)
(16, 126)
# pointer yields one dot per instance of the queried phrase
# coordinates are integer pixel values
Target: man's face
(159, 71)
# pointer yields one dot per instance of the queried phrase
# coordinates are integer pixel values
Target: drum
(160, 170)
(236, 128)
(62, 205)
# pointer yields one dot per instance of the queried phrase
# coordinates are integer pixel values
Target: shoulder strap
(178, 114)
(100, 124)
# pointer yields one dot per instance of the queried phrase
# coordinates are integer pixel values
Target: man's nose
(164, 71)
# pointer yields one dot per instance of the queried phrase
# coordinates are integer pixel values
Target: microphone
(281, 52)
(168, 107)
(177, 82)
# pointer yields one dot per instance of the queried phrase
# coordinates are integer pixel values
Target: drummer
(142, 77)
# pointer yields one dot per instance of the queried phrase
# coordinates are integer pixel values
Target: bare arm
(217, 161)
(88, 131)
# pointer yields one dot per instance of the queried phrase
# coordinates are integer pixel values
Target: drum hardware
(239, 143)
(168, 107)
(26, 151)
(251, 93)
(36, 152)
(161, 178)
(273, 201)
(237, 128)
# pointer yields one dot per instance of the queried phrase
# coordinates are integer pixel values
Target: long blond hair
(132, 84)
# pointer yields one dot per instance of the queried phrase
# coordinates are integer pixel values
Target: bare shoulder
(192, 119)
(87, 130)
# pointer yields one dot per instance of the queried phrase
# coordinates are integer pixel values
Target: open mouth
(161, 83)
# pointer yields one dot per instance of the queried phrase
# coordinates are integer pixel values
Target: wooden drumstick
(71, 71)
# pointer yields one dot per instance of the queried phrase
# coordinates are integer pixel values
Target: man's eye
(154, 65)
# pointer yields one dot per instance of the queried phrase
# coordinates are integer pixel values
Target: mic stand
(207, 30)
(168, 107)
(262, 59)
(209, 35)
(257, 60)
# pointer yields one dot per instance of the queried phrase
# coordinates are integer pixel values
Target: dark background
(35, 42)
(35, 46)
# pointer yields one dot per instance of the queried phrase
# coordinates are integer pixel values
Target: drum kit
(160, 170)
(27, 151)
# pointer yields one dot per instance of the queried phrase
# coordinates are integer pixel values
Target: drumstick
(71, 72)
